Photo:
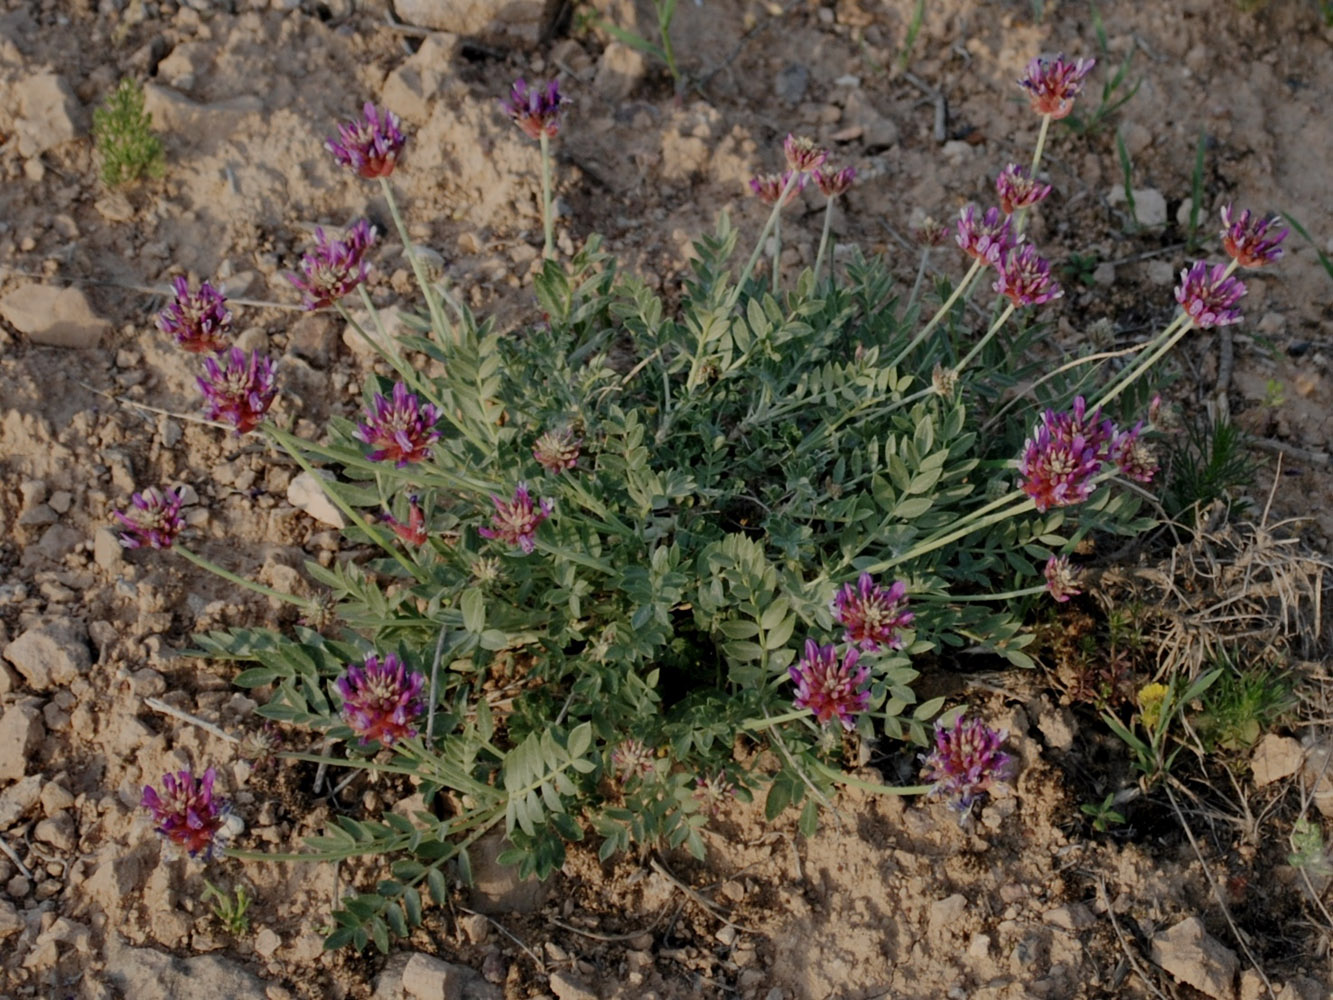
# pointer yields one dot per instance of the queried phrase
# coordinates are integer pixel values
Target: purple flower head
(874, 616)
(632, 759)
(1018, 189)
(1061, 578)
(1025, 279)
(370, 144)
(986, 238)
(556, 451)
(1252, 242)
(827, 687)
(414, 532)
(802, 153)
(832, 182)
(966, 762)
(769, 187)
(516, 520)
(240, 390)
(400, 429)
(199, 321)
(1053, 84)
(334, 267)
(154, 519)
(712, 791)
(187, 814)
(1064, 455)
(1209, 296)
(380, 699)
(535, 110)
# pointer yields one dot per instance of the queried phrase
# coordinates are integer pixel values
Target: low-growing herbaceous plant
(708, 544)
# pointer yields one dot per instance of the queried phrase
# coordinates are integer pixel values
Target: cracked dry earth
(890, 899)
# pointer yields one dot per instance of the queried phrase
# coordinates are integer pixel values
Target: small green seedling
(124, 137)
(666, 10)
(1103, 814)
(231, 912)
(1307, 848)
(1113, 99)
(1159, 706)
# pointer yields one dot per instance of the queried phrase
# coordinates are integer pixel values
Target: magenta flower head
(334, 267)
(874, 616)
(370, 144)
(154, 519)
(556, 451)
(535, 110)
(1018, 189)
(1209, 296)
(400, 429)
(769, 187)
(240, 390)
(632, 759)
(414, 532)
(187, 813)
(1053, 84)
(1061, 578)
(1252, 242)
(828, 687)
(1064, 455)
(802, 153)
(199, 321)
(1025, 278)
(516, 520)
(986, 238)
(380, 699)
(834, 182)
(966, 762)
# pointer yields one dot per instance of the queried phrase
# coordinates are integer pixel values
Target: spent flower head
(1064, 455)
(1136, 457)
(240, 390)
(986, 237)
(1209, 295)
(516, 520)
(400, 428)
(874, 616)
(198, 321)
(802, 154)
(828, 686)
(1053, 84)
(632, 759)
(261, 746)
(334, 268)
(153, 519)
(557, 451)
(712, 791)
(1061, 578)
(1024, 278)
(943, 381)
(966, 762)
(536, 110)
(769, 187)
(1252, 241)
(381, 699)
(832, 183)
(188, 814)
(1018, 189)
(370, 144)
(928, 231)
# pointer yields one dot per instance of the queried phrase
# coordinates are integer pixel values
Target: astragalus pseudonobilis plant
(704, 545)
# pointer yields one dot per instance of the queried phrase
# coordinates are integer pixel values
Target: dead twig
(541, 966)
(18, 862)
(1134, 962)
(694, 896)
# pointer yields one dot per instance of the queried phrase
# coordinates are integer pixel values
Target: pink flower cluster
(515, 521)
(874, 618)
(188, 814)
(399, 429)
(381, 699)
(1067, 451)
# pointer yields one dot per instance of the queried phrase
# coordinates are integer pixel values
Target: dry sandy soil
(890, 899)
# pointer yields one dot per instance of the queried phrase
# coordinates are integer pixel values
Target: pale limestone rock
(1189, 954)
(57, 317)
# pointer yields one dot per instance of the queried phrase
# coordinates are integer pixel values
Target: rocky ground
(891, 899)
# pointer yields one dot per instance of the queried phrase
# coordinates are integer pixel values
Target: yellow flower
(1151, 697)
